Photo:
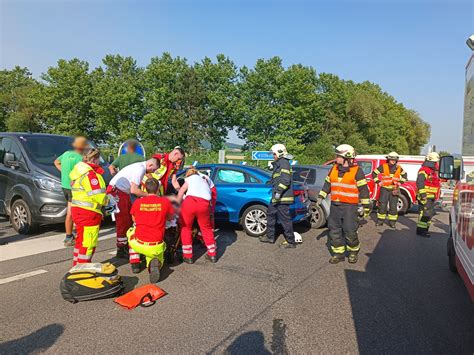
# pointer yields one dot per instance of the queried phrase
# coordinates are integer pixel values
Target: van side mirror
(446, 167)
(110, 159)
(9, 160)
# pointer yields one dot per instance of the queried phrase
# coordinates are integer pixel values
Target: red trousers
(192, 208)
(88, 224)
(123, 222)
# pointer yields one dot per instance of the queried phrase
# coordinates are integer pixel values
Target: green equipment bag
(91, 281)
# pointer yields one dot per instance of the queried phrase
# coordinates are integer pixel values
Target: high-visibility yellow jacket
(88, 188)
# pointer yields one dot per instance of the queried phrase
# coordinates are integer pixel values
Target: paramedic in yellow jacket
(88, 198)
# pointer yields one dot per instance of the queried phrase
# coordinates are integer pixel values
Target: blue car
(243, 194)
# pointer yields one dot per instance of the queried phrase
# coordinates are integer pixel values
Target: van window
(45, 149)
(3, 147)
(16, 151)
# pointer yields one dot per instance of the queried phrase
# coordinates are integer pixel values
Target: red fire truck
(410, 163)
(461, 220)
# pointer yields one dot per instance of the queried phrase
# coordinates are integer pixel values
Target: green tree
(66, 98)
(117, 99)
(19, 109)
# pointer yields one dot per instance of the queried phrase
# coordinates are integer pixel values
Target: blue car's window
(230, 176)
(253, 179)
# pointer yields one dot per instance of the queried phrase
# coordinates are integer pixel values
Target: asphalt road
(258, 299)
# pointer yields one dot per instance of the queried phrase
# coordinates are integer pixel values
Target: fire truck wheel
(451, 255)
(403, 204)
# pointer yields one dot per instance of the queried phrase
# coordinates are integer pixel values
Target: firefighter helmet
(279, 150)
(346, 151)
(433, 156)
(393, 156)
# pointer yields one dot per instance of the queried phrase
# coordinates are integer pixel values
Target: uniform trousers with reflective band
(123, 222)
(425, 215)
(149, 251)
(343, 223)
(387, 199)
(200, 209)
(87, 234)
(280, 212)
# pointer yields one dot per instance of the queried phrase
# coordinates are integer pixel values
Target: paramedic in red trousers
(199, 203)
(428, 187)
(122, 186)
(347, 185)
(282, 198)
(169, 165)
(390, 175)
(88, 199)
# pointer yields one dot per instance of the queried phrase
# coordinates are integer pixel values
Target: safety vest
(390, 180)
(344, 189)
(432, 183)
(157, 175)
(83, 195)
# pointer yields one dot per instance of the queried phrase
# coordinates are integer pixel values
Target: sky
(414, 49)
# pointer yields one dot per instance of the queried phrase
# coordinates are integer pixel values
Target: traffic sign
(262, 155)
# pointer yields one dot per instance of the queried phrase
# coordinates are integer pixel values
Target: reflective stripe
(392, 217)
(285, 171)
(275, 175)
(83, 203)
(338, 250)
(95, 192)
(211, 246)
(381, 216)
(284, 199)
(361, 183)
(323, 194)
(348, 194)
(84, 257)
(340, 184)
(365, 201)
(356, 248)
(282, 186)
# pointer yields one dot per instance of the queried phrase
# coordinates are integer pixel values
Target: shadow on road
(248, 343)
(407, 301)
(38, 341)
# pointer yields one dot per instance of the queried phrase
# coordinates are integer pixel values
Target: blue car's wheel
(254, 220)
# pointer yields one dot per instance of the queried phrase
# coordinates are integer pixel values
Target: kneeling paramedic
(282, 198)
(124, 185)
(347, 185)
(390, 176)
(88, 198)
(428, 187)
(199, 203)
(150, 214)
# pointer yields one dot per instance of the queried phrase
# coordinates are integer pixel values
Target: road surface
(258, 299)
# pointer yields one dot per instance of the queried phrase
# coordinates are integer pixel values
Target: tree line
(173, 102)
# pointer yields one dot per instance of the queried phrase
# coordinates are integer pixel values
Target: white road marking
(35, 246)
(21, 276)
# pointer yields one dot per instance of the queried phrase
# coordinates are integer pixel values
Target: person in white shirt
(124, 184)
(199, 203)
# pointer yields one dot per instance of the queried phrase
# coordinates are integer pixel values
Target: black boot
(353, 257)
(392, 224)
(423, 232)
(136, 268)
(379, 222)
(122, 252)
(287, 245)
(188, 260)
(154, 269)
(336, 258)
(265, 239)
(212, 259)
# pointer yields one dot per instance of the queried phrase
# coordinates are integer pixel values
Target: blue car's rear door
(235, 189)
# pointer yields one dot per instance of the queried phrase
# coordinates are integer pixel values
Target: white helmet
(279, 150)
(346, 151)
(433, 156)
(393, 156)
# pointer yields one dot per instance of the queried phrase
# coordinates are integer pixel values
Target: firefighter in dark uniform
(282, 198)
(347, 185)
(389, 176)
(428, 186)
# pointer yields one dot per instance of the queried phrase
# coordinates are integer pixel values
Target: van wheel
(451, 255)
(402, 204)
(20, 218)
(318, 219)
(254, 221)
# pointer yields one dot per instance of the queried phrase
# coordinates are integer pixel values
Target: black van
(30, 186)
